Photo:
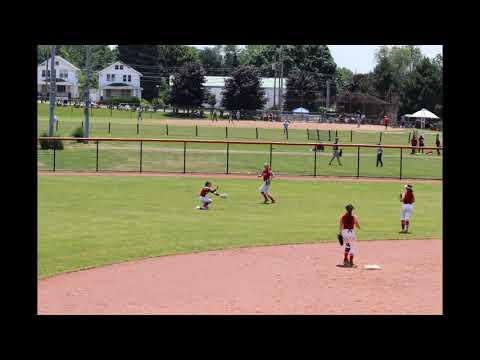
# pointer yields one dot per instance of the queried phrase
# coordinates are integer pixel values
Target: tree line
(401, 74)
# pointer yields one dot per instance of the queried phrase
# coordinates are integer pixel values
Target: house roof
(219, 81)
(121, 63)
(57, 57)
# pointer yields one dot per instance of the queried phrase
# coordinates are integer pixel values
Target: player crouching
(205, 201)
(346, 235)
(407, 199)
(267, 175)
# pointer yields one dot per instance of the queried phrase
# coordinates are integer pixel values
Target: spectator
(437, 143)
(386, 120)
(238, 115)
(414, 143)
(421, 143)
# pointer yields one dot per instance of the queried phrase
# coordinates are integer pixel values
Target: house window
(116, 67)
(61, 88)
(129, 77)
(121, 67)
(124, 78)
(108, 77)
(43, 73)
(56, 63)
(113, 77)
(63, 74)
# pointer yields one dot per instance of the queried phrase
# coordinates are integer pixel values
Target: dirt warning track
(286, 279)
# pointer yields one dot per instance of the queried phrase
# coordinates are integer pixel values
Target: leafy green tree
(211, 100)
(423, 88)
(301, 91)
(211, 60)
(243, 91)
(231, 57)
(188, 91)
(343, 77)
(145, 59)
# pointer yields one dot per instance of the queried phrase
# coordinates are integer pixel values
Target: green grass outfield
(163, 157)
(86, 221)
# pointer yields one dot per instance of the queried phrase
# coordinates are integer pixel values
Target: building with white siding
(119, 80)
(66, 77)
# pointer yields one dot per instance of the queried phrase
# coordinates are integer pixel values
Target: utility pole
(86, 123)
(274, 68)
(53, 89)
(280, 90)
(327, 104)
(46, 81)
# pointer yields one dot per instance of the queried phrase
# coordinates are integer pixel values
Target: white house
(216, 84)
(66, 75)
(119, 80)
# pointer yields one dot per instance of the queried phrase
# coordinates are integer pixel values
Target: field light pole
(86, 123)
(53, 89)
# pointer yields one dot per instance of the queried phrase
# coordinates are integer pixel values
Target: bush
(78, 132)
(46, 144)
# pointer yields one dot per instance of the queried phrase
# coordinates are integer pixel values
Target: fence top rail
(66, 138)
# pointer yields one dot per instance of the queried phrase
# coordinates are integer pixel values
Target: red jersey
(266, 174)
(385, 120)
(408, 197)
(205, 190)
(348, 222)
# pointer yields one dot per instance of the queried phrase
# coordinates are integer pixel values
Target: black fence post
(351, 135)
(166, 126)
(111, 111)
(54, 158)
(56, 125)
(286, 132)
(228, 147)
(226, 132)
(336, 134)
(358, 161)
(318, 135)
(109, 127)
(196, 130)
(271, 156)
(137, 128)
(308, 134)
(256, 131)
(141, 155)
(380, 137)
(82, 124)
(315, 163)
(329, 136)
(401, 162)
(96, 165)
(409, 135)
(184, 155)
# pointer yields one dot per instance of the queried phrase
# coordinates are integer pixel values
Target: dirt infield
(233, 176)
(287, 279)
(277, 125)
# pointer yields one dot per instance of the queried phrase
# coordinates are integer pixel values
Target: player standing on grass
(267, 175)
(346, 235)
(407, 199)
(205, 201)
(336, 153)
(379, 154)
(437, 143)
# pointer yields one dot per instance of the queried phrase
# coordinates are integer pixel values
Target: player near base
(407, 199)
(267, 175)
(336, 153)
(205, 201)
(346, 235)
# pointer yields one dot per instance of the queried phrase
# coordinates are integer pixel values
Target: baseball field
(118, 241)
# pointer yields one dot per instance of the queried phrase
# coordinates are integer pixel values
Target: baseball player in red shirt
(386, 121)
(267, 175)
(346, 235)
(407, 199)
(205, 201)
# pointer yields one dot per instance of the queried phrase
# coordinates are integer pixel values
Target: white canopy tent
(301, 110)
(422, 115)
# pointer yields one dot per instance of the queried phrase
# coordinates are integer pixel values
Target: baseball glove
(340, 239)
